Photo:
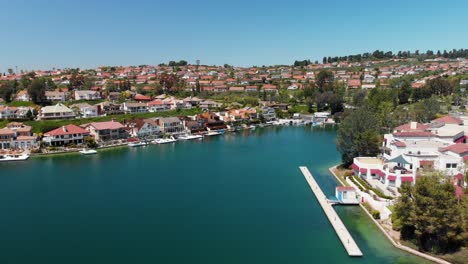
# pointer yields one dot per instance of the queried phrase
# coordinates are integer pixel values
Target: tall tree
(358, 135)
(324, 79)
(36, 91)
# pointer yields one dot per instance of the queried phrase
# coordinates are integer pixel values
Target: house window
(451, 165)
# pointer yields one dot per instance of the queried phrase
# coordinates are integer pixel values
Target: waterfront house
(171, 125)
(193, 125)
(6, 137)
(105, 131)
(131, 108)
(388, 175)
(58, 111)
(212, 121)
(87, 95)
(17, 136)
(144, 127)
(65, 135)
(268, 113)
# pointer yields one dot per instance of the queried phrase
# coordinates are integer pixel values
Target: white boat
(88, 151)
(13, 157)
(190, 137)
(137, 144)
(164, 140)
(213, 133)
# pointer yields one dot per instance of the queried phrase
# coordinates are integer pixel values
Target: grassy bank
(43, 126)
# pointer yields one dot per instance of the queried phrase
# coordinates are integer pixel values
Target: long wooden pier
(340, 229)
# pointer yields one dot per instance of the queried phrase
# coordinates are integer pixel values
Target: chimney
(64, 129)
(413, 125)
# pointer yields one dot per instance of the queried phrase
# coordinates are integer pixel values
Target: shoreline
(388, 236)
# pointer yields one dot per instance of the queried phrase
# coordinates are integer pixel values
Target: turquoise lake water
(236, 198)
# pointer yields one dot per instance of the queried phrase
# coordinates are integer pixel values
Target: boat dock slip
(340, 229)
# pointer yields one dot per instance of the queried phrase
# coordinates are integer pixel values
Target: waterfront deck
(340, 229)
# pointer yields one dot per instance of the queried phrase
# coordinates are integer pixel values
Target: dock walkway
(340, 229)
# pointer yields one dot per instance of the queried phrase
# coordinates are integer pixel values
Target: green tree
(437, 217)
(6, 92)
(324, 79)
(36, 91)
(358, 135)
(90, 142)
(429, 214)
(440, 86)
(402, 217)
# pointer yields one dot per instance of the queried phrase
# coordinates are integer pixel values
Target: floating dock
(340, 229)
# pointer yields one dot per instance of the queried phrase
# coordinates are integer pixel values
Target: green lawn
(47, 125)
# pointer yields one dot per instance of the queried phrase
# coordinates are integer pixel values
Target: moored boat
(14, 157)
(164, 140)
(88, 151)
(213, 133)
(190, 137)
(137, 144)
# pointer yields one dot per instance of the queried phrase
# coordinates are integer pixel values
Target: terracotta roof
(106, 125)
(449, 120)
(407, 127)
(6, 131)
(399, 144)
(67, 130)
(459, 148)
(413, 134)
(140, 97)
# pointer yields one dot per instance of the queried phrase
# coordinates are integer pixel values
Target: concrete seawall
(340, 229)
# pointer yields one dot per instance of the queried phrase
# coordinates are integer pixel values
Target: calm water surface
(237, 198)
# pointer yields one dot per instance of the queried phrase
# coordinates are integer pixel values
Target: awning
(354, 167)
(391, 177)
(374, 171)
(462, 139)
(381, 174)
(400, 159)
(363, 170)
(407, 179)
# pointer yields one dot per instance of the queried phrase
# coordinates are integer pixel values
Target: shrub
(376, 214)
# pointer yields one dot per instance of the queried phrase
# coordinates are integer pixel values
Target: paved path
(340, 229)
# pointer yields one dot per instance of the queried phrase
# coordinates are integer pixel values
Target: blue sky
(61, 33)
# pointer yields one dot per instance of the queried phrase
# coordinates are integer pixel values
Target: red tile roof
(67, 130)
(399, 144)
(413, 134)
(459, 148)
(106, 125)
(407, 127)
(449, 120)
